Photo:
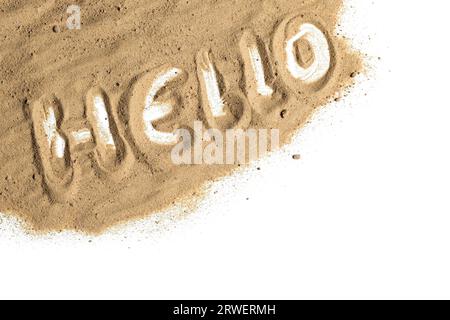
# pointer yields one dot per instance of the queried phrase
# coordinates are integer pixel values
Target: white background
(364, 214)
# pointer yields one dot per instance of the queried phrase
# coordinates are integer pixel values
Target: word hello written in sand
(222, 110)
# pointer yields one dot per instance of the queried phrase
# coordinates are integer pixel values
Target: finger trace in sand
(53, 151)
(109, 147)
(222, 109)
(82, 136)
(154, 111)
(210, 83)
(249, 43)
(102, 122)
(154, 99)
(261, 88)
(319, 45)
(59, 146)
(56, 143)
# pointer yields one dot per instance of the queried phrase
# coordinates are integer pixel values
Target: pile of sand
(76, 152)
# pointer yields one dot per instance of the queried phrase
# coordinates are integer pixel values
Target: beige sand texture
(61, 170)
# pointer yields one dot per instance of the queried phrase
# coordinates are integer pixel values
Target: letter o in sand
(303, 54)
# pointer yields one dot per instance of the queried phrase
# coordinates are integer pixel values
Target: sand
(76, 153)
